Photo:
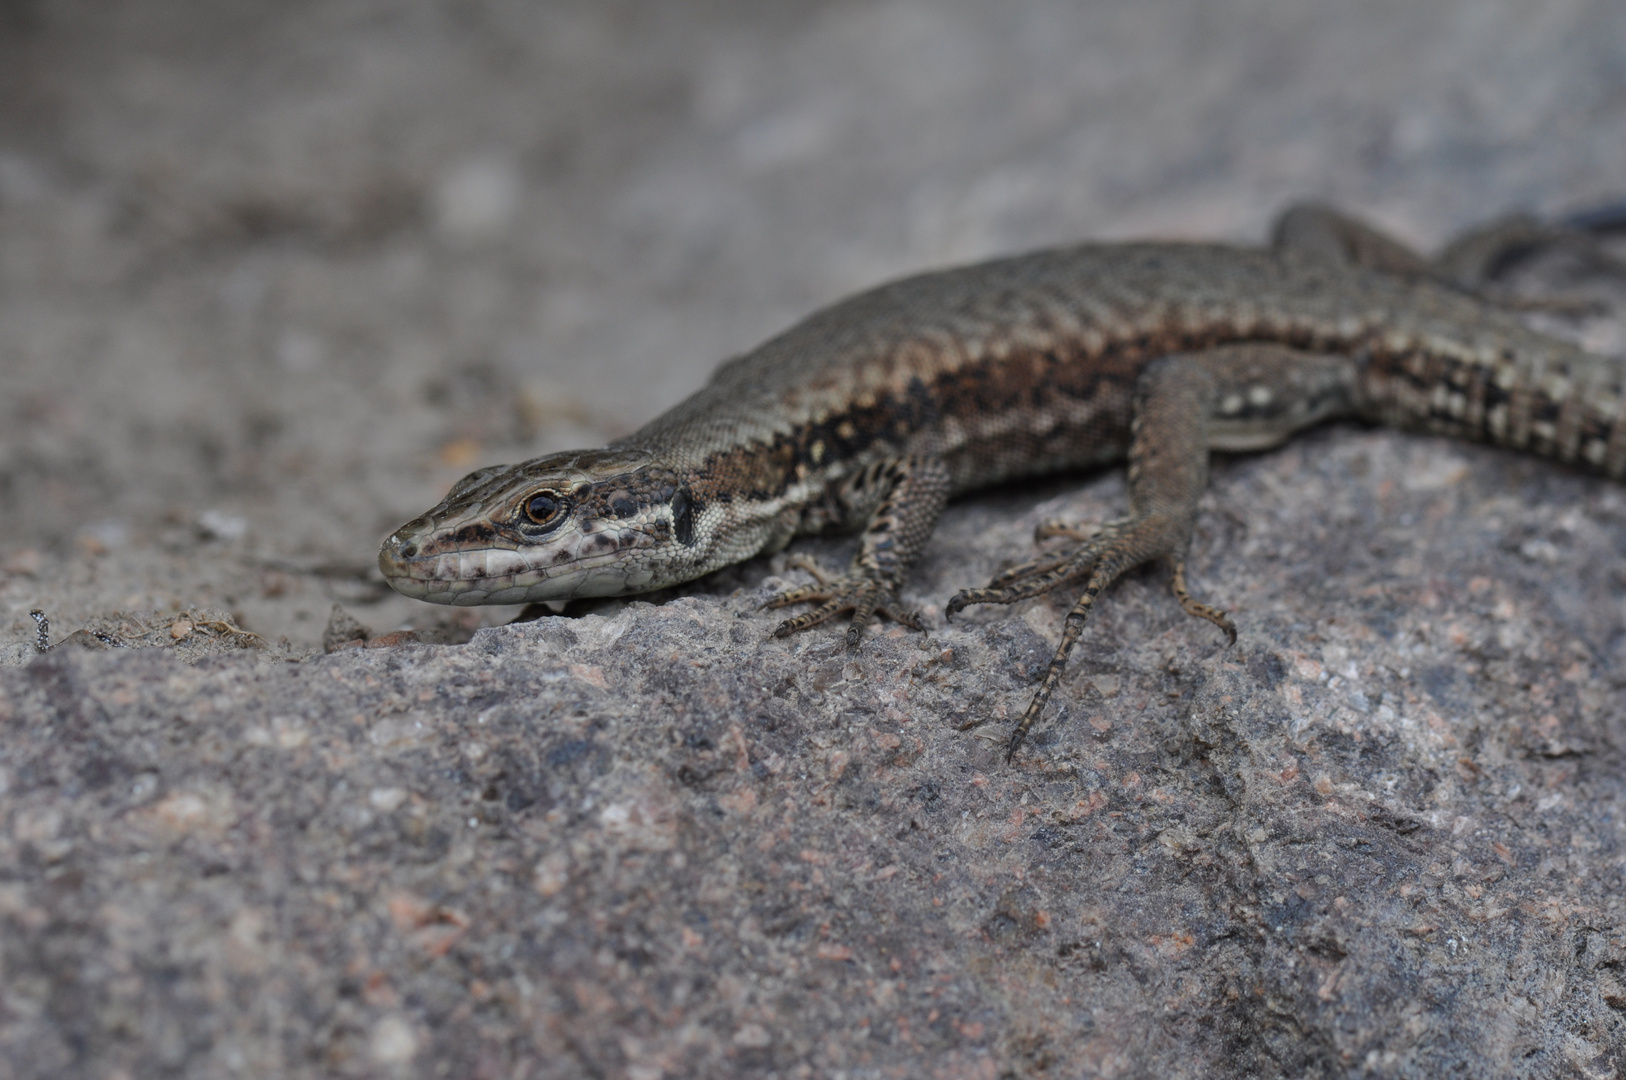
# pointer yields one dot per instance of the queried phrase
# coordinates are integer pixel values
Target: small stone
(552, 874)
(342, 628)
(752, 1037)
(386, 799)
(182, 811)
(394, 1042)
(218, 525)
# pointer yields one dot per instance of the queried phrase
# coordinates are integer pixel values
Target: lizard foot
(865, 595)
(1046, 573)
(915, 489)
(1098, 560)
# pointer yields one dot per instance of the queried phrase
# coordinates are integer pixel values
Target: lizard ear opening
(683, 518)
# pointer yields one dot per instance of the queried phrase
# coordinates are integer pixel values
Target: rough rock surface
(244, 331)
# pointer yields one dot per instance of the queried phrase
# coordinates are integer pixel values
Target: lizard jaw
(500, 574)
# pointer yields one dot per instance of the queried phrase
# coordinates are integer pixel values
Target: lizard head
(578, 523)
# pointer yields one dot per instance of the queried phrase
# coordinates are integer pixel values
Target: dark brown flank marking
(1061, 377)
(1408, 399)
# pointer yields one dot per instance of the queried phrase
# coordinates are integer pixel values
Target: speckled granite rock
(272, 276)
(1383, 835)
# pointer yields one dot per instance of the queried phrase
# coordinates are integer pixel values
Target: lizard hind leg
(1475, 259)
(1471, 262)
(1161, 533)
(1168, 469)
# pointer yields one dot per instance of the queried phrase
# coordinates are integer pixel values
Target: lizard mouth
(498, 575)
(487, 575)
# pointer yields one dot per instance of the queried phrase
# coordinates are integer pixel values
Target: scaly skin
(872, 412)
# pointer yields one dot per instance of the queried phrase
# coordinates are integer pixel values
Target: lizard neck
(742, 499)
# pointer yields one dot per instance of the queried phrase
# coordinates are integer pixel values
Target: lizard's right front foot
(864, 594)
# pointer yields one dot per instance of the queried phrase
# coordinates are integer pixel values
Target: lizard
(872, 413)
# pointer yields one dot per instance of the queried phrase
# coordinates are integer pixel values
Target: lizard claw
(863, 595)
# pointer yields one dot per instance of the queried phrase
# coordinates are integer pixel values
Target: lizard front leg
(914, 490)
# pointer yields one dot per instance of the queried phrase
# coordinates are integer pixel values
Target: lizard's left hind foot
(1168, 469)
(1163, 532)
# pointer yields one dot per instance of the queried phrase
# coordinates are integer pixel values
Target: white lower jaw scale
(466, 579)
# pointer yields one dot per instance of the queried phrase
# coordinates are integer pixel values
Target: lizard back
(1026, 365)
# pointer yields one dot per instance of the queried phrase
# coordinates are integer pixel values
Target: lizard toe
(863, 595)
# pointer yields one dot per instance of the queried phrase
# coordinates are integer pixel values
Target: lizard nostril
(408, 550)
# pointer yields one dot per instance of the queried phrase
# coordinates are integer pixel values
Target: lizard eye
(542, 508)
